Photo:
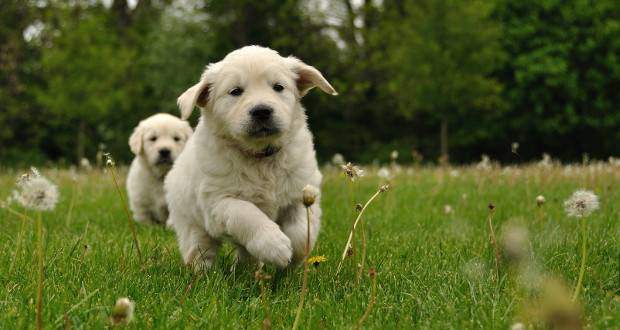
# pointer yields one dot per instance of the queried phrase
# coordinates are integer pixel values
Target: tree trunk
(79, 149)
(443, 140)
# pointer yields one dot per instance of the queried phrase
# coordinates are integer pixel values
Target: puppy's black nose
(164, 153)
(261, 112)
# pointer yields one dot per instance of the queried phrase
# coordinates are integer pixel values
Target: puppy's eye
(236, 91)
(153, 138)
(278, 87)
(177, 139)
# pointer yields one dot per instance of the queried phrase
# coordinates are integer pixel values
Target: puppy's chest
(270, 188)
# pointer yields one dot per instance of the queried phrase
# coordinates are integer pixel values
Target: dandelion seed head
(384, 173)
(394, 155)
(515, 243)
(518, 326)
(384, 188)
(514, 147)
(35, 192)
(109, 161)
(122, 312)
(309, 194)
(338, 159)
(447, 209)
(352, 171)
(581, 204)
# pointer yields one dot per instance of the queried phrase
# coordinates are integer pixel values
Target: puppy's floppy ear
(135, 140)
(308, 77)
(197, 95)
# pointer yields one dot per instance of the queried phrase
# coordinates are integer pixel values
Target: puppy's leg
(251, 228)
(198, 249)
(294, 222)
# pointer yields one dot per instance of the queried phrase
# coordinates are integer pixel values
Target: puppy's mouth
(262, 130)
(164, 161)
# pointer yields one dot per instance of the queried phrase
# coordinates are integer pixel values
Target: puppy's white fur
(223, 185)
(145, 180)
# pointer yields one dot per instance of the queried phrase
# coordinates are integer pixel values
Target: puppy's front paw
(271, 245)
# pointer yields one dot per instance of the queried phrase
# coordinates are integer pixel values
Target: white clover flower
(581, 204)
(352, 171)
(35, 192)
(310, 194)
(122, 312)
(338, 159)
(384, 173)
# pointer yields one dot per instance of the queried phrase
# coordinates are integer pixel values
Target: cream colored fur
(145, 180)
(219, 189)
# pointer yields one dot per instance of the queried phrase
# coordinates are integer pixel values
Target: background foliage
(454, 76)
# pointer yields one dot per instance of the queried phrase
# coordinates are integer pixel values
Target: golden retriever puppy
(157, 141)
(241, 175)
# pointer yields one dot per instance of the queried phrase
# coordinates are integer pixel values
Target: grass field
(435, 268)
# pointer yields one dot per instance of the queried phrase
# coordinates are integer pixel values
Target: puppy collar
(268, 151)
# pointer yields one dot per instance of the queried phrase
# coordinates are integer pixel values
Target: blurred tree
(442, 54)
(563, 76)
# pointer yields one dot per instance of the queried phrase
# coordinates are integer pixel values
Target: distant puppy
(156, 142)
(242, 173)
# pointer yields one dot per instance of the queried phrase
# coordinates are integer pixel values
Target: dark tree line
(456, 78)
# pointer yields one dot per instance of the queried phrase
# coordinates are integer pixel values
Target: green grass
(434, 270)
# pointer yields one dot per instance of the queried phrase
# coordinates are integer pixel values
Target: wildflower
(394, 155)
(35, 192)
(316, 260)
(310, 193)
(352, 171)
(338, 159)
(122, 312)
(540, 200)
(581, 204)
(358, 207)
(384, 173)
(491, 206)
(447, 209)
(384, 188)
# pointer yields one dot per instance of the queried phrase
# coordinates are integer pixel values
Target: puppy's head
(252, 95)
(159, 139)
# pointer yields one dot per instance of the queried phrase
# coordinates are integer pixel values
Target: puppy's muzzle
(262, 123)
(164, 157)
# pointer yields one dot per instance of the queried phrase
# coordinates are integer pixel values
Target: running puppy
(241, 176)
(156, 141)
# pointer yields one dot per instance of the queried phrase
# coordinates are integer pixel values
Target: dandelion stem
(363, 256)
(131, 224)
(371, 303)
(582, 270)
(304, 285)
(359, 216)
(39, 307)
(494, 243)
